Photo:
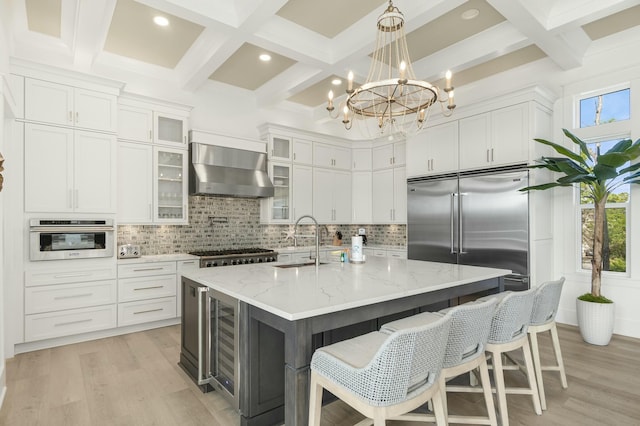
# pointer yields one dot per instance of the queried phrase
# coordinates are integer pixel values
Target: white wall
(607, 64)
(4, 67)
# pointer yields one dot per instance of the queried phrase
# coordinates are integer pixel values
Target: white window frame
(617, 130)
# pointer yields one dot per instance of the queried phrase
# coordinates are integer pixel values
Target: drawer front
(69, 296)
(130, 289)
(398, 254)
(379, 253)
(61, 276)
(146, 311)
(66, 323)
(146, 269)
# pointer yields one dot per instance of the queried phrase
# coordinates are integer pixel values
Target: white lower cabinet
(64, 301)
(69, 322)
(146, 310)
(146, 292)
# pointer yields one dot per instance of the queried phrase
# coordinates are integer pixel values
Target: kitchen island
(285, 313)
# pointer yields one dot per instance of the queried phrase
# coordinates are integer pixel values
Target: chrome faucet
(295, 234)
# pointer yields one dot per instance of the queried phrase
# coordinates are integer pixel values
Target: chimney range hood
(225, 171)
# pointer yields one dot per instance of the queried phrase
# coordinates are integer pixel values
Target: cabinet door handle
(488, 160)
(390, 160)
(70, 198)
(76, 197)
(491, 154)
(73, 275)
(73, 296)
(147, 269)
(147, 311)
(70, 116)
(294, 156)
(150, 135)
(77, 117)
(148, 288)
(73, 322)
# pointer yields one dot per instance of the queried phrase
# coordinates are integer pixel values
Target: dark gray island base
(275, 352)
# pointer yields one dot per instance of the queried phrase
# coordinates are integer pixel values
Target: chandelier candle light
(392, 99)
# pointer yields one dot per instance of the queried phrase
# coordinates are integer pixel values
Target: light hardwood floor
(135, 380)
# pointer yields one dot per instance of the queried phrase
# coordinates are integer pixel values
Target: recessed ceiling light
(470, 14)
(265, 57)
(161, 21)
(336, 82)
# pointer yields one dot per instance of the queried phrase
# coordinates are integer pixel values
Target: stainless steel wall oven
(55, 239)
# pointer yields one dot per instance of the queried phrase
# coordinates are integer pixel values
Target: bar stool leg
(535, 396)
(538, 368)
(315, 401)
(488, 395)
(556, 350)
(501, 393)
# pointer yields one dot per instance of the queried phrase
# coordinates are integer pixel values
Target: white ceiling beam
(91, 25)
(566, 51)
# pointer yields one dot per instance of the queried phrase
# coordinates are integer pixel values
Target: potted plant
(598, 175)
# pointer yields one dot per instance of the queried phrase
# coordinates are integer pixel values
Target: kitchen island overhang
(286, 313)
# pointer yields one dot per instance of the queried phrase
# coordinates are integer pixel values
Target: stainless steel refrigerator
(474, 218)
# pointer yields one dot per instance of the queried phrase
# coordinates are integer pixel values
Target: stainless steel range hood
(219, 170)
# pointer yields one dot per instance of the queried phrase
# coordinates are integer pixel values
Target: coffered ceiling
(310, 42)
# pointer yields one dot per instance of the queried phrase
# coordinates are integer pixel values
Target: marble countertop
(292, 249)
(174, 257)
(303, 292)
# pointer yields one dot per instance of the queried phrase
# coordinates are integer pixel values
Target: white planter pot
(595, 321)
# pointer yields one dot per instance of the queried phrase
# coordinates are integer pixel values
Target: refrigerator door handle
(460, 218)
(452, 222)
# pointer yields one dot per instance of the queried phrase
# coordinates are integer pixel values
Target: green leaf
(612, 159)
(581, 178)
(569, 167)
(631, 168)
(603, 172)
(583, 146)
(564, 151)
(621, 146)
(543, 186)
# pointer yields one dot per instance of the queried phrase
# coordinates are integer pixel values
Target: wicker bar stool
(543, 318)
(382, 375)
(509, 333)
(465, 352)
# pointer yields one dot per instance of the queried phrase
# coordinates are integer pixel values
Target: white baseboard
(85, 337)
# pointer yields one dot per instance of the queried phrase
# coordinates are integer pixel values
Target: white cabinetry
(69, 170)
(279, 148)
(150, 122)
(495, 138)
(54, 103)
(361, 187)
(277, 209)
(170, 129)
(66, 301)
(170, 183)
(389, 155)
(331, 156)
(302, 151)
(390, 203)
(146, 292)
(331, 195)
(135, 183)
(135, 123)
(362, 159)
(433, 151)
(302, 190)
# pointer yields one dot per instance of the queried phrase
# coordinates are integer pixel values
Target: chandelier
(392, 95)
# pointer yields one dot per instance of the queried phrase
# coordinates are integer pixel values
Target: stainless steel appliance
(209, 342)
(472, 218)
(245, 256)
(219, 170)
(54, 239)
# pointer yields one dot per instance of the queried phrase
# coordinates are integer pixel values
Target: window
(615, 239)
(605, 108)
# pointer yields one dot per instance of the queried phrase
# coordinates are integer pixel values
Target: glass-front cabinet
(277, 209)
(170, 192)
(280, 148)
(170, 129)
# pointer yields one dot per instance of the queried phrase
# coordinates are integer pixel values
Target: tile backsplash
(217, 223)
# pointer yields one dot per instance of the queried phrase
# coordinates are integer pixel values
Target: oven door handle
(204, 336)
(72, 229)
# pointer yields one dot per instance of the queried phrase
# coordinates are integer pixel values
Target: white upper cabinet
(69, 170)
(361, 159)
(331, 196)
(390, 202)
(361, 188)
(302, 151)
(170, 128)
(331, 156)
(495, 138)
(64, 105)
(433, 151)
(170, 185)
(135, 123)
(280, 148)
(389, 155)
(302, 191)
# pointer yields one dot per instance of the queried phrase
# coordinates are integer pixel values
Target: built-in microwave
(56, 239)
